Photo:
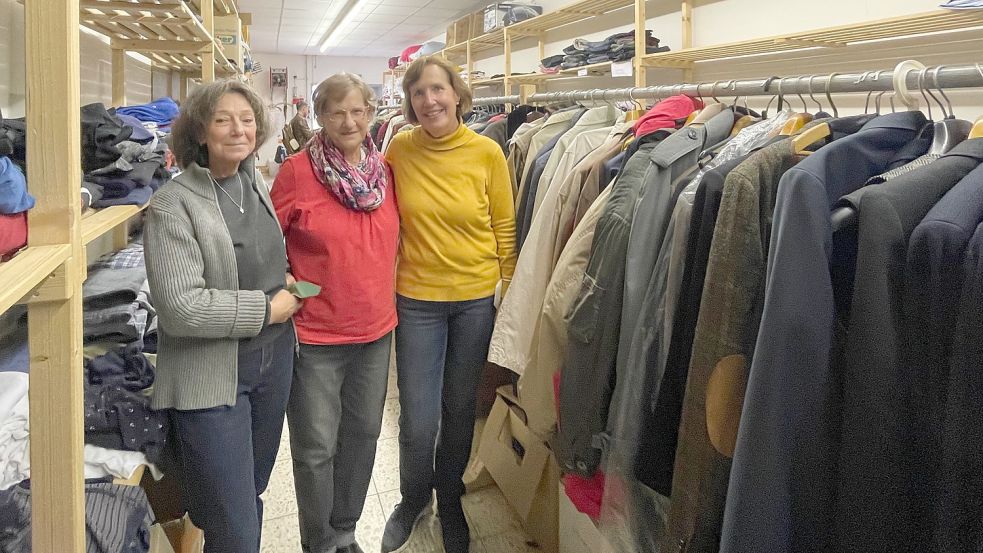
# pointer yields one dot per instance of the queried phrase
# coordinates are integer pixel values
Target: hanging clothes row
(755, 334)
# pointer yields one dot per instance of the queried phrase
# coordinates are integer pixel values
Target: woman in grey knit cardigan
(217, 269)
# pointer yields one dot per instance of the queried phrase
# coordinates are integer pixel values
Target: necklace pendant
(241, 210)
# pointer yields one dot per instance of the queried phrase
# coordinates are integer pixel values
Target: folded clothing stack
(124, 162)
(116, 302)
(117, 409)
(162, 111)
(617, 47)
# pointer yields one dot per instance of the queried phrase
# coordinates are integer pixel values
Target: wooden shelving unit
(47, 275)
(169, 32)
(538, 27)
(904, 27)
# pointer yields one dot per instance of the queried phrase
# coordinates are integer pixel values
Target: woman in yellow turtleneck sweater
(457, 224)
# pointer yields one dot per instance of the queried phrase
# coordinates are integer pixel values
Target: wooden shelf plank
(97, 223)
(23, 273)
(902, 27)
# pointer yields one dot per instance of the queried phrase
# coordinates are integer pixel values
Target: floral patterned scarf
(361, 188)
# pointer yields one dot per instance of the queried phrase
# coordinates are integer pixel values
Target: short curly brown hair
(415, 72)
(190, 128)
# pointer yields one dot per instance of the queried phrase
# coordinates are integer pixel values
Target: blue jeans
(335, 414)
(441, 349)
(227, 453)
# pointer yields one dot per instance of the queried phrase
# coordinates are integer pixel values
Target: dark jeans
(441, 349)
(335, 415)
(227, 453)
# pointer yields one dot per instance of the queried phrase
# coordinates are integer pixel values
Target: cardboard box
(578, 532)
(524, 469)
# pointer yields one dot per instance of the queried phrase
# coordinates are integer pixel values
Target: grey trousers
(335, 417)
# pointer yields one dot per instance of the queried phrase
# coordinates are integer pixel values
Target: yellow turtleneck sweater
(457, 218)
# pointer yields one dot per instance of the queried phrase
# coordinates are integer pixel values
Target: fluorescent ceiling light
(341, 21)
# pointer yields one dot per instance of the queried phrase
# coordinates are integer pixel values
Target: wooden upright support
(53, 140)
(640, 43)
(687, 21)
(119, 78)
(208, 58)
(183, 93)
(506, 80)
(525, 91)
(470, 63)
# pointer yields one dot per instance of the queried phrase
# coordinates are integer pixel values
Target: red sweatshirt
(350, 254)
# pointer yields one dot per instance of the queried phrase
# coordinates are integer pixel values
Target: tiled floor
(494, 527)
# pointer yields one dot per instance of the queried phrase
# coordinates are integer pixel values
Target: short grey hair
(336, 87)
(190, 128)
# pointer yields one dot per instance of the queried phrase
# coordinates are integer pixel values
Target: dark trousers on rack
(441, 349)
(227, 453)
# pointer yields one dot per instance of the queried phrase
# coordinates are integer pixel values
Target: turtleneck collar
(458, 138)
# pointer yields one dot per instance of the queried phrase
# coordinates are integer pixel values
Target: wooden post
(525, 91)
(208, 57)
(184, 87)
(119, 78)
(687, 21)
(640, 44)
(542, 45)
(506, 85)
(170, 84)
(470, 62)
(55, 325)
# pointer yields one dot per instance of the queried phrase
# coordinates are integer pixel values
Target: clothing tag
(582, 72)
(622, 69)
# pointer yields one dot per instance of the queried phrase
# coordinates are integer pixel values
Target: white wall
(96, 66)
(303, 73)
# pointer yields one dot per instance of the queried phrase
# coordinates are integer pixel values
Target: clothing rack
(905, 80)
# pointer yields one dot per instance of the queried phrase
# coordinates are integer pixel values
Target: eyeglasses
(340, 116)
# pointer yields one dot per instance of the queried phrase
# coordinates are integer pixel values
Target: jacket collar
(904, 120)
(971, 148)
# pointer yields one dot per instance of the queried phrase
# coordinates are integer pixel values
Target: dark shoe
(351, 548)
(454, 526)
(400, 525)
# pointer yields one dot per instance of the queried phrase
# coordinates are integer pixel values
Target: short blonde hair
(190, 128)
(415, 72)
(336, 87)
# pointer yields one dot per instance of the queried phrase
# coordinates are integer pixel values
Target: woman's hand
(290, 280)
(283, 306)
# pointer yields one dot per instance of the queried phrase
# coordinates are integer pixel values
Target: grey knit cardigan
(194, 283)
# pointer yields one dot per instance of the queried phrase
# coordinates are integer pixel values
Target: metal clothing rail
(911, 78)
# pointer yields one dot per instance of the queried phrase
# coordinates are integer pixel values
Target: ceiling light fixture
(344, 17)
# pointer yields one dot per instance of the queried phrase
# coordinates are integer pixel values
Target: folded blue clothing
(140, 133)
(138, 196)
(14, 197)
(161, 111)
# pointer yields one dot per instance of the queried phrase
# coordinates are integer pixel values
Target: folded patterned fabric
(550, 70)
(130, 257)
(598, 58)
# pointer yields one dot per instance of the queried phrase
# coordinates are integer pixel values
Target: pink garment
(585, 493)
(667, 114)
(13, 234)
(406, 56)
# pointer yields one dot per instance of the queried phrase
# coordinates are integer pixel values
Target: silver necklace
(242, 193)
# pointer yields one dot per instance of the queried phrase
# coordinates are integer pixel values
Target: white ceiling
(381, 27)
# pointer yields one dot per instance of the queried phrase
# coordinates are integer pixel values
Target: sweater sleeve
(502, 211)
(175, 270)
(284, 197)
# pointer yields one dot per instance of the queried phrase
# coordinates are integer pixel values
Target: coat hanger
(807, 138)
(743, 121)
(635, 114)
(812, 97)
(797, 120)
(829, 81)
(949, 131)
